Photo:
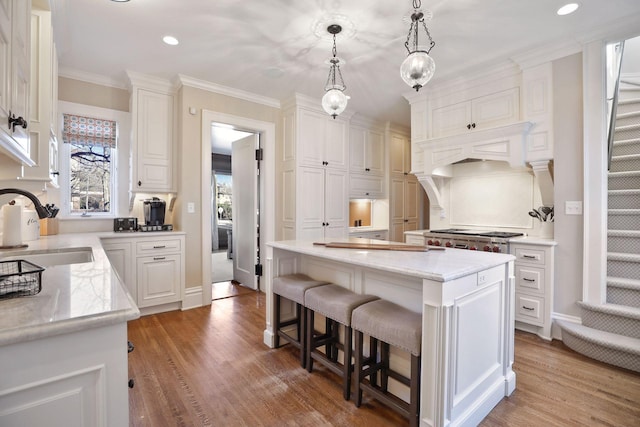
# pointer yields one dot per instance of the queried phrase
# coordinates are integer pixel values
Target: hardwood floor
(209, 367)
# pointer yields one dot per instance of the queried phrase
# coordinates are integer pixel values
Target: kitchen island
(467, 303)
(63, 351)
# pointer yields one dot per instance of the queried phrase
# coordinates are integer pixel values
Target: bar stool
(293, 287)
(336, 304)
(388, 324)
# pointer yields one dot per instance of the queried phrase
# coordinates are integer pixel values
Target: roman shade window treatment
(89, 131)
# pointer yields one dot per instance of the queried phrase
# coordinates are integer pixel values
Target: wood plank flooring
(209, 367)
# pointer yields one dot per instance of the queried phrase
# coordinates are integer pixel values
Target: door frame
(267, 132)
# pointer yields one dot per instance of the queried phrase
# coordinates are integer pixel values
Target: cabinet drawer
(530, 309)
(158, 246)
(533, 256)
(530, 278)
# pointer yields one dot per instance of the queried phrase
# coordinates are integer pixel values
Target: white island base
(467, 303)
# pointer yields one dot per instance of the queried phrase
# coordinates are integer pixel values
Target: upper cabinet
(153, 145)
(322, 140)
(15, 51)
(366, 150)
(400, 154)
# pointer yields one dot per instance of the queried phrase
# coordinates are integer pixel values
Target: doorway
(234, 207)
(266, 190)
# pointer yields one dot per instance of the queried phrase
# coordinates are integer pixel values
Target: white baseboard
(556, 332)
(192, 298)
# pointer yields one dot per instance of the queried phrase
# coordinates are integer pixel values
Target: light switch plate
(573, 208)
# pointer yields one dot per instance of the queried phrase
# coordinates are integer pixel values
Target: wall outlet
(191, 207)
(573, 208)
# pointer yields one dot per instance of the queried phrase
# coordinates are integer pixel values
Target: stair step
(617, 350)
(623, 241)
(627, 132)
(627, 180)
(628, 118)
(625, 162)
(628, 106)
(623, 219)
(620, 264)
(614, 318)
(623, 146)
(623, 291)
(624, 199)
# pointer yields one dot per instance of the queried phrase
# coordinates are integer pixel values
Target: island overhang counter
(466, 299)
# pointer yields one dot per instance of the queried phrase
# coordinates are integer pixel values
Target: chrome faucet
(43, 212)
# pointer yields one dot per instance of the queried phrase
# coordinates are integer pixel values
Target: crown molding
(95, 79)
(547, 53)
(183, 80)
(150, 82)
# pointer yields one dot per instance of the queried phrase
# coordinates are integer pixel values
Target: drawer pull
(159, 247)
(528, 280)
(159, 258)
(529, 256)
(527, 308)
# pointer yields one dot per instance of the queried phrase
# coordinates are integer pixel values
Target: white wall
(631, 58)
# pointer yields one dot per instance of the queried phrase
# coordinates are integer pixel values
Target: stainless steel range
(475, 240)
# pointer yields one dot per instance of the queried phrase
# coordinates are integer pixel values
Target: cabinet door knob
(16, 121)
(469, 126)
(473, 125)
(139, 183)
(367, 169)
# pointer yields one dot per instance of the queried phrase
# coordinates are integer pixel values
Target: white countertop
(529, 240)
(440, 265)
(366, 229)
(73, 297)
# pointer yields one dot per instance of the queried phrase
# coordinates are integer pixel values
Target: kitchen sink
(48, 258)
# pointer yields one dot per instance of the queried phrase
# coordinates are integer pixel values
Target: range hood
(516, 144)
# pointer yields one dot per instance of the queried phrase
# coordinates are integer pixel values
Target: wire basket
(19, 278)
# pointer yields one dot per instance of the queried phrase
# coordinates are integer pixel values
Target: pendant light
(334, 100)
(418, 68)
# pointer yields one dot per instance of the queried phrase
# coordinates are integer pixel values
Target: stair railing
(613, 107)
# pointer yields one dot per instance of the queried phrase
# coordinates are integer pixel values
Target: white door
(244, 200)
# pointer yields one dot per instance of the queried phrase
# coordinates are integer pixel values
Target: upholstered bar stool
(293, 287)
(336, 304)
(388, 324)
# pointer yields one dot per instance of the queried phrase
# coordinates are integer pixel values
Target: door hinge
(259, 154)
(259, 270)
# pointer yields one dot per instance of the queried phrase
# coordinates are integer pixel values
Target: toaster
(125, 224)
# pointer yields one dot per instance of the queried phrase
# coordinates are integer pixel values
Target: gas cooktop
(465, 232)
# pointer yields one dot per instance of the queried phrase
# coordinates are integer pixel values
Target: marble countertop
(73, 297)
(529, 240)
(439, 265)
(366, 229)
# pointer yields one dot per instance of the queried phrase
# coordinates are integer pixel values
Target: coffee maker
(154, 210)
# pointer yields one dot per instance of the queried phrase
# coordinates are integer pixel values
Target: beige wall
(190, 169)
(92, 94)
(568, 181)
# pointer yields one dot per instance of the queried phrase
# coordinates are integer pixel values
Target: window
(89, 150)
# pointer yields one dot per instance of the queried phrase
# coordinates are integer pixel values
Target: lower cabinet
(378, 235)
(151, 266)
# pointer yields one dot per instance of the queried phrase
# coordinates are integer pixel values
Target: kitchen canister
(546, 230)
(30, 226)
(11, 225)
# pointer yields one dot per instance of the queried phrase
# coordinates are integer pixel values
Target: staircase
(610, 332)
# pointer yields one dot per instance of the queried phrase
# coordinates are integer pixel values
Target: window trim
(120, 171)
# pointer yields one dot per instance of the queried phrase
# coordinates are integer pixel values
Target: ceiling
(269, 47)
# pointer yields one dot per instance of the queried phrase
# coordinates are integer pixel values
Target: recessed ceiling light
(568, 8)
(170, 40)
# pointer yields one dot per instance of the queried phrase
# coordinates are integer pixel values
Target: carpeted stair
(610, 332)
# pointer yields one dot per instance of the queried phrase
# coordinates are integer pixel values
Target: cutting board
(379, 246)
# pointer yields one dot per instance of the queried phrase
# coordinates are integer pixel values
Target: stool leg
(414, 397)
(276, 341)
(384, 370)
(373, 355)
(302, 335)
(357, 368)
(328, 351)
(310, 340)
(347, 362)
(335, 340)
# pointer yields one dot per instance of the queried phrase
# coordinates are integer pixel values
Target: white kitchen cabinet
(377, 234)
(478, 113)
(399, 154)
(366, 151)
(153, 145)
(15, 60)
(413, 239)
(151, 265)
(366, 187)
(322, 140)
(323, 203)
(43, 122)
(404, 204)
(534, 268)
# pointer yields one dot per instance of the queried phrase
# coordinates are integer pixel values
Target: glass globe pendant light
(418, 67)
(334, 100)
